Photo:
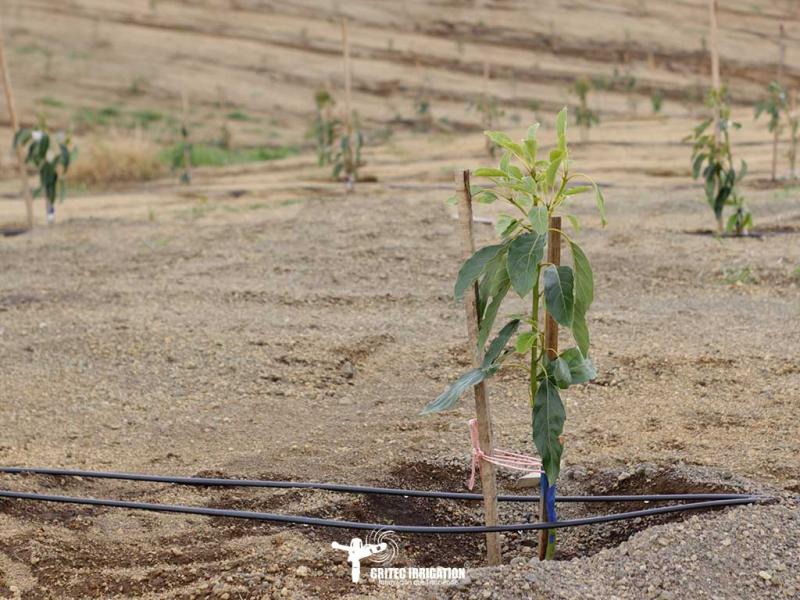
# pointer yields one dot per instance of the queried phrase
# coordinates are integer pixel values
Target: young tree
(52, 156)
(713, 160)
(536, 188)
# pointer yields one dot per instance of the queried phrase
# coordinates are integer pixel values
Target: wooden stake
(776, 133)
(348, 92)
(715, 79)
(12, 114)
(187, 150)
(488, 475)
(551, 347)
(714, 49)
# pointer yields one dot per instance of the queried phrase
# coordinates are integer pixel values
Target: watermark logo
(381, 548)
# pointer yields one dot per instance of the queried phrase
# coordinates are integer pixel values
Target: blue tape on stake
(549, 495)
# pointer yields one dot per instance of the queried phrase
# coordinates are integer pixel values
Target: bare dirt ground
(264, 324)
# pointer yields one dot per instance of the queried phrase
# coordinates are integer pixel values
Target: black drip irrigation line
(425, 529)
(358, 489)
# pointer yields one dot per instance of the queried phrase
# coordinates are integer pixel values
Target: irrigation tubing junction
(695, 502)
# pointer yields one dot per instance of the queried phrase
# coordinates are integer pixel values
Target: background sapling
(51, 156)
(585, 117)
(536, 188)
(347, 159)
(712, 159)
(774, 105)
(323, 128)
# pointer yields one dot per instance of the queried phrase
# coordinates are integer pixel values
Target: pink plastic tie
(501, 458)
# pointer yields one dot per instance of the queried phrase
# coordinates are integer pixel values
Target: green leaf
(525, 342)
(574, 221)
(505, 225)
(499, 343)
(531, 148)
(473, 267)
(532, 131)
(552, 168)
(487, 172)
(490, 314)
(548, 425)
(22, 137)
(578, 189)
(581, 369)
(539, 219)
(561, 129)
(580, 332)
(584, 279)
(601, 203)
(558, 295)
(447, 399)
(558, 370)
(698, 164)
(485, 197)
(502, 140)
(524, 255)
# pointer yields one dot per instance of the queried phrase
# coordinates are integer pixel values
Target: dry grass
(116, 157)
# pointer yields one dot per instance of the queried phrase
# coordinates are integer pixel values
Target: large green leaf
(524, 255)
(581, 369)
(487, 320)
(495, 275)
(548, 425)
(539, 219)
(450, 396)
(580, 331)
(558, 295)
(499, 343)
(473, 267)
(558, 370)
(584, 279)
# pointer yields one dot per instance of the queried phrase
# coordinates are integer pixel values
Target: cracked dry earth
(222, 342)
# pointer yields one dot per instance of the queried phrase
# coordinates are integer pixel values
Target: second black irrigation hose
(425, 529)
(356, 489)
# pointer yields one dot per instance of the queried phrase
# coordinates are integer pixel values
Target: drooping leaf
(558, 371)
(601, 203)
(473, 267)
(580, 332)
(524, 255)
(450, 396)
(499, 343)
(575, 223)
(581, 369)
(490, 313)
(578, 189)
(548, 425)
(558, 293)
(584, 279)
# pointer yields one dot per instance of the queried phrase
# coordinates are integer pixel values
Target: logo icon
(381, 547)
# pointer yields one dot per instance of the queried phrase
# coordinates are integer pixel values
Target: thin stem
(535, 358)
